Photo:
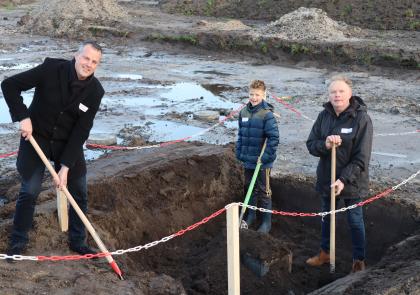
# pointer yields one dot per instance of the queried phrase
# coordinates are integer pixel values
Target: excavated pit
(169, 198)
(141, 196)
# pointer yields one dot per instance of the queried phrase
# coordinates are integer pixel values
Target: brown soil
(352, 46)
(135, 20)
(141, 196)
(378, 15)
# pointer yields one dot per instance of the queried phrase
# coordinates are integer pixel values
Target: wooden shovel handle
(71, 200)
(332, 217)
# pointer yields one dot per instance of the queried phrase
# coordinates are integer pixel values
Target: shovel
(79, 212)
(332, 218)
(242, 223)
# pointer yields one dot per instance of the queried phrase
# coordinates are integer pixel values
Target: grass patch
(366, 59)
(264, 47)
(414, 25)
(8, 5)
(347, 10)
(209, 7)
(409, 13)
(296, 49)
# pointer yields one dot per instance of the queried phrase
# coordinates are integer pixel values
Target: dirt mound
(403, 258)
(73, 18)
(307, 24)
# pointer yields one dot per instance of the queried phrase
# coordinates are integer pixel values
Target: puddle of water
(129, 76)
(92, 154)
(180, 98)
(194, 97)
(230, 124)
(213, 72)
(133, 102)
(24, 66)
(167, 130)
(4, 109)
(3, 201)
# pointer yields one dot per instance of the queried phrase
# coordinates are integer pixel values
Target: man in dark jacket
(60, 117)
(257, 124)
(345, 123)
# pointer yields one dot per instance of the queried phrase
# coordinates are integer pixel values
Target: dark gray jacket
(353, 155)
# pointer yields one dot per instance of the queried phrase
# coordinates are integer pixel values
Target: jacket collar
(263, 105)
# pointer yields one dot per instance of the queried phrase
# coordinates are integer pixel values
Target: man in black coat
(345, 123)
(60, 117)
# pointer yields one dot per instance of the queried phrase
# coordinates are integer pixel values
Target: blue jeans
(356, 224)
(25, 207)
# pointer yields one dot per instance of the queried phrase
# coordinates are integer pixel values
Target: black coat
(60, 126)
(353, 155)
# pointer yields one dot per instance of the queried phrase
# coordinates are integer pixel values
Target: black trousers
(31, 180)
(261, 195)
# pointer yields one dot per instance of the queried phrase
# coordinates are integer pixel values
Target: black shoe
(14, 250)
(82, 249)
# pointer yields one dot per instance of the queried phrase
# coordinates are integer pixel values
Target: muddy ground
(157, 91)
(382, 15)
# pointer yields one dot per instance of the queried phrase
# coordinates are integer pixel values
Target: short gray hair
(340, 77)
(92, 43)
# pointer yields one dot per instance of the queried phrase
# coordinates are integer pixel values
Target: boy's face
(256, 96)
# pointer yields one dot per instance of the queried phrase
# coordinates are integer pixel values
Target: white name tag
(83, 108)
(346, 130)
(244, 119)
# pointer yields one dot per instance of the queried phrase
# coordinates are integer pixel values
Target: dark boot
(251, 215)
(265, 226)
(14, 249)
(82, 249)
(257, 266)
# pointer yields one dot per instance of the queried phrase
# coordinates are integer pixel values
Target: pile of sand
(231, 25)
(308, 24)
(73, 18)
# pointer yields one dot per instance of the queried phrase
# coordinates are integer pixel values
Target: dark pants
(262, 190)
(25, 206)
(356, 224)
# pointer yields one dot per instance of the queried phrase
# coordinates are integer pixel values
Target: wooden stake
(332, 217)
(232, 224)
(62, 211)
(76, 207)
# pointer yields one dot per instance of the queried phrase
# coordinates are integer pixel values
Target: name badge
(346, 130)
(244, 119)
(83, 108)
